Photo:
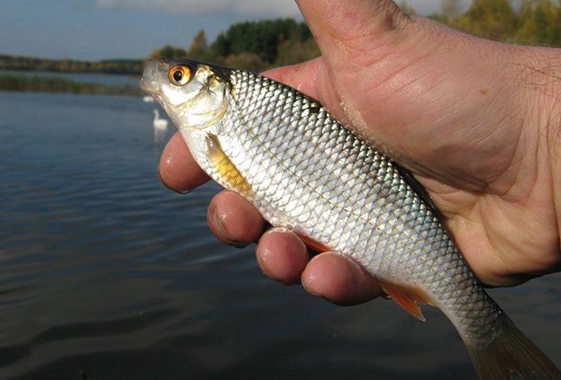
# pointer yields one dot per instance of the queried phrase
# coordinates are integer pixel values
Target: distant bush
(117, 66)
(54, 84)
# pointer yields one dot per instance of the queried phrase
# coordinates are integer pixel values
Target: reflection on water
(105, 274)
(160, 136)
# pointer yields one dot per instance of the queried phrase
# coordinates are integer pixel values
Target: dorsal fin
(408, 298)
(226, 168)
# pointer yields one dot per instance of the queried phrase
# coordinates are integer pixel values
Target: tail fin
(512, 356)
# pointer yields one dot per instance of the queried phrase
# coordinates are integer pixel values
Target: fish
(305, 171)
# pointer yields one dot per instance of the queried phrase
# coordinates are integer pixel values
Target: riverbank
(61, 85)
(113, 66)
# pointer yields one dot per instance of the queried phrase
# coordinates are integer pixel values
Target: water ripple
(105, 274)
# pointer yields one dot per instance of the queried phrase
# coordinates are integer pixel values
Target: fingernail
(217, 221)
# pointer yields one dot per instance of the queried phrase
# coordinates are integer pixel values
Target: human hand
(472, 119)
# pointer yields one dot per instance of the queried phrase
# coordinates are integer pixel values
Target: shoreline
(21, 83)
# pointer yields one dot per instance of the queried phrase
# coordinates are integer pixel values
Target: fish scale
(395, 206)
(304, 171)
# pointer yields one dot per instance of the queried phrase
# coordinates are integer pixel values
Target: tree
(291, 52)
(259, 37)
(494, 19)
(245, 60)
(450, 8)
(199, 47)
(539, 23)
(168, 51)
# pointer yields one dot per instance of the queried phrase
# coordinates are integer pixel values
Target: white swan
(159, 123)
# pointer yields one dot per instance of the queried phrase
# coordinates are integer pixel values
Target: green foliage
(244, 60)
(539, 23)
(534, 22)
(199, 47)
(493, 19)
(252, 45)
(168, 51)
(259, 37)
(291, 52)
(122, 66)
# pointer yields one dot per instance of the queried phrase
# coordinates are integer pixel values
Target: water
(105, 274)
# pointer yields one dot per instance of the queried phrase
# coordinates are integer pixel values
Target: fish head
(194, 94)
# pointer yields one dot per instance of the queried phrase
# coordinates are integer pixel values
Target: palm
(466, 141)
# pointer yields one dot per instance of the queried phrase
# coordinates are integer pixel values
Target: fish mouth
(147, 87)
(149, 83)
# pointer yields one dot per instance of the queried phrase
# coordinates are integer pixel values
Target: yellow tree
(493, 19)
(199, 46)
(539, 23)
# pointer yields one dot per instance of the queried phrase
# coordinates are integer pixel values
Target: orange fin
(313, 244)
(225, 168)
(408, 298)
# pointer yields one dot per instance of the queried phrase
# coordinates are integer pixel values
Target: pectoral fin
(408, 298)
(226, 168)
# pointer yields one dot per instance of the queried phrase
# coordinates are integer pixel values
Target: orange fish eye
(180, 75)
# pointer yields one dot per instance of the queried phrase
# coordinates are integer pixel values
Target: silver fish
(305, 171)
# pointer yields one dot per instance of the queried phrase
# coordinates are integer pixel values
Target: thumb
(344, 28)
(302, 76)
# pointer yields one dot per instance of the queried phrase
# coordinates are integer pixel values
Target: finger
(347, 27)
(301, 76)
(177, 169)
(234, 220)
(282, 256)
(339, 280)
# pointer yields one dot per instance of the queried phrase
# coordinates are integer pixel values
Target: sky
(107, 29)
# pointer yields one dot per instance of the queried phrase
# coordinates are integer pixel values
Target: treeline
(253, 45)
(59, 85)
(116, 66)
(258, 45)
(530, 22)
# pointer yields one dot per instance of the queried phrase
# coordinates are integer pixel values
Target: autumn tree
(494, 19)
(539, 23)
(199, 47)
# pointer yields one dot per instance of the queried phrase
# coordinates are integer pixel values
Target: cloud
(269, 8)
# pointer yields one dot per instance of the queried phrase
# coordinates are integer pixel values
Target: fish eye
(180, 75)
